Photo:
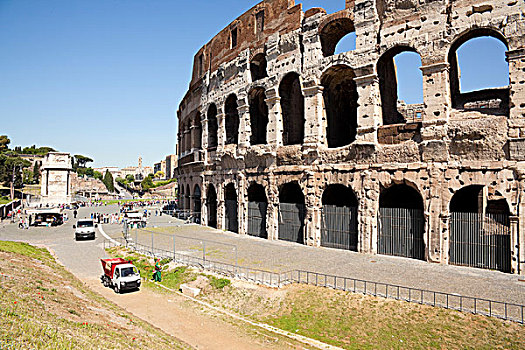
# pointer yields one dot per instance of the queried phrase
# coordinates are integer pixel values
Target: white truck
(85, 228)
(120, 274)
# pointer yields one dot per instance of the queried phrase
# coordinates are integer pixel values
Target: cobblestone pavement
(279, 256)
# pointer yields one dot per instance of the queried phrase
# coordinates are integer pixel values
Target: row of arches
(340, 97)
(479, 221)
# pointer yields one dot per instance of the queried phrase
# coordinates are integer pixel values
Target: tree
(147, 183)
(36, 172)
(81, 160)
(4, 142)
(130, 178)
(11, 171)
(97, 175)
(159, 174)
(108, 181)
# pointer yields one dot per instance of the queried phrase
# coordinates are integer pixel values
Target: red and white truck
(120, 274)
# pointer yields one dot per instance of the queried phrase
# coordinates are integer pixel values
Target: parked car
(85, 228)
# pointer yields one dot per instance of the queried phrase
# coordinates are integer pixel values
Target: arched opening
(332, 33)
(187, 200)
(197, 132)
(211, 203)
(187, 135)
(340, 100)
(401, 222)
(213, 126)
(258, 116)
(292, 107)
(291, 213)
(474, 88)
(480, 229)
(181, 197)
(230, 201)
(258, 67)
(400, 85)
(257, 208)
(196, 204)
(339, 218)
(232, 120)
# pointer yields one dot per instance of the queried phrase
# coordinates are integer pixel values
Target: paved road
(195, 325)
(279, 256)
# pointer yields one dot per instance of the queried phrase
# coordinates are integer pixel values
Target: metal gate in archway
(481, 241)
(291, 222)
(401, 232)
(257, 219)
(231, 215)
(339, 227)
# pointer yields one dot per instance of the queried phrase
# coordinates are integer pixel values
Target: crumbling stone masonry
(283, 139)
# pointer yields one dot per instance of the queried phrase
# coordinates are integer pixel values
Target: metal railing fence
(479, 306)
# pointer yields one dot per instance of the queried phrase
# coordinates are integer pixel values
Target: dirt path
(198, 327)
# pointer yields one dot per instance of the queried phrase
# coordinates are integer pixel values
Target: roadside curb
(101, 230)
(305, 340)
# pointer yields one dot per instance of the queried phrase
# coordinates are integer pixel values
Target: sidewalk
(280, 256)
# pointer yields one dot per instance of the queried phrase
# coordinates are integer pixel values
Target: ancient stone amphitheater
(281, 138)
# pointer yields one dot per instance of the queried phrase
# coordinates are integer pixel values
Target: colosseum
(282, 138)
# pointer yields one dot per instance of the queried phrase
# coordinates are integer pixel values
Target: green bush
(219, 283)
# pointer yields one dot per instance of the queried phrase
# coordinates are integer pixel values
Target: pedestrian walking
(75, 214)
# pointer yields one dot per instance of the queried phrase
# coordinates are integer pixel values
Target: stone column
(516, 59)
(204, 140)
(274, 132)
(187, 140)
(245, 131)
(368, 213)
(445, 238)
(436, 96)
(315, 121)
(204, 202)
(221, 210)
(434, 243)
(272, 214)
(242, 203)
(221, 132)
(312, 223)
(369, 108)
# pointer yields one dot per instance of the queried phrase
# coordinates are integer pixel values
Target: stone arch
(339, 226)
(231, 120)
(488, 100)
(331, 33)
(340, 100)
(197, 203)
(292, 107)
(392, 111)
(187, 199)
(258, 115)
(231, 200)
(401, 222)
(480, 229)
(197, 131)
(291, 212)
(257, 210)
(213, 126)
(258, 67)
(211, 204)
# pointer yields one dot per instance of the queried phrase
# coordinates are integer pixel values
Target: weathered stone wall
(56, 178)
(458, 140)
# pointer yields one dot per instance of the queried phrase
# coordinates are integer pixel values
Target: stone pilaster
(245, 131)
(516, 59)
(369, 108)
(242, 203)
(274, 133)
(514, 244)
(221, 132)
(314, 116)
(272, 214)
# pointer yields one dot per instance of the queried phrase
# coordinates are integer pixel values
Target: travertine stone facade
(270, 104)
(56, 178)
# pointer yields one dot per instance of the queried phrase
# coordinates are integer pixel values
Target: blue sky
(104, 78)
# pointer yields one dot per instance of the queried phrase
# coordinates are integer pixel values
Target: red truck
(120, 274)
